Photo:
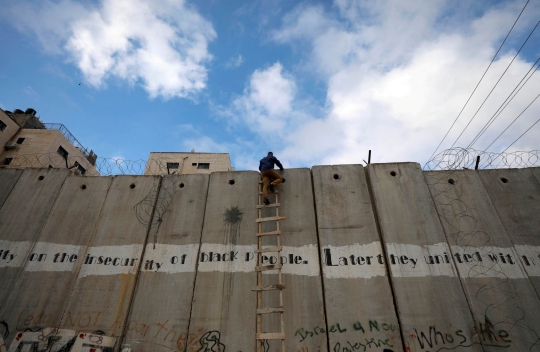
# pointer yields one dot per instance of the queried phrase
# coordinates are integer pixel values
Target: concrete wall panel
(52, 264)
(432, 307)
(305, 323)
(103, 289)
(515, 193)
(168, 272)
(356, 285)
(223, 312)
(8, 179)
(21, 218)
(503, 299)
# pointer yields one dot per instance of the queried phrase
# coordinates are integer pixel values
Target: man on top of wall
(270, 176)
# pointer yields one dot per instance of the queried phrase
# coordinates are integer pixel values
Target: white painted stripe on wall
(243, 259)
(530, 257)
(227, 258)
(368, 261)
(170, 258)
(13, 254)
(46, 256)
(111, 260)
(408, 260)
(482, 262)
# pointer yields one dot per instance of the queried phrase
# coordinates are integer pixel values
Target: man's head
(270, 154)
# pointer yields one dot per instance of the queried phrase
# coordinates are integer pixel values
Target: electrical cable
(512, 124)
(503, 106)
(521, 135)
(481, 78)
(495, 86)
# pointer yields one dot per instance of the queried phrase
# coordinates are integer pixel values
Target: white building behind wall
(183, 163)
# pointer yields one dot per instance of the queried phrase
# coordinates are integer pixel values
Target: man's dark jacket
(268, 162)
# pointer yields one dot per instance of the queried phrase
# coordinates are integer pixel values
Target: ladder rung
(271, 233)
(271, 218)
(268, 288)
(269, 249)
(268, 267)
(276, 191)
(270, 310)
(271, 336)
(273, 205)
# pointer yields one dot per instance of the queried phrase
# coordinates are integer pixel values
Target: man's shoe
(283, 180)
(271, 188)
(266, 201)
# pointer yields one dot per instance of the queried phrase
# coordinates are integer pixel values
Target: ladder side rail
(259, 273)
(281, 314)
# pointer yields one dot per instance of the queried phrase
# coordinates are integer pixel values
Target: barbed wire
(102, 167)
(466, 158)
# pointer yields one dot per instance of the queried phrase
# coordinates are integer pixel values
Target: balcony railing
(60, 127)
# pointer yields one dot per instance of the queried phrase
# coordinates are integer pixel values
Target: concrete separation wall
(432, 307)
(167, 274)
(55, 258)
(502, 296)
(21, 218)
(8, 179)
(385, 258)
(359, 303)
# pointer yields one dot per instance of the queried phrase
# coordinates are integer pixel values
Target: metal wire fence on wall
(467, 158)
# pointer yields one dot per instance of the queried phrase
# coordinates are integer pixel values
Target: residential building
(27, 142)
(183, 163)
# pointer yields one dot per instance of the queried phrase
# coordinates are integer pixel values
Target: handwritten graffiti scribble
(210, 342)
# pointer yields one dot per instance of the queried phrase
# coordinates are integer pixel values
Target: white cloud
(30, 91)
(234, 62)
(266, 102)
(397, 74)
(160, 45)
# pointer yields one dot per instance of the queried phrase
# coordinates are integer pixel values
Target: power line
(521, 135)
(492, 89)
(503, 106)
(513, 123)
(481, 78)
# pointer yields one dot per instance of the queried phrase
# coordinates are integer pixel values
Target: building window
(7, 161)
(63, 152)
(203, 166)
(2, 125)
(20, 140)
(193, 164)
(81, 169)
(173, 165)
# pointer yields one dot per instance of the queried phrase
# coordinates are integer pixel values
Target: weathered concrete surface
(347, 229)
(56, 256)
(21, 219)
(8, 179)
(536, 172)
(515, 193)
(223, 312)
(503, 299)
(432, 307)
(161, 307)
(302, 297)
(103, 289)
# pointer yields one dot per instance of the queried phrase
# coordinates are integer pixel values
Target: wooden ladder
(261, 336)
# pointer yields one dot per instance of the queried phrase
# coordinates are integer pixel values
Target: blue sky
(315, 82)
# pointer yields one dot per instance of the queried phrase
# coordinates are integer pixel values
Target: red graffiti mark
(19, 335)
(93, 350)
(81, 336)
